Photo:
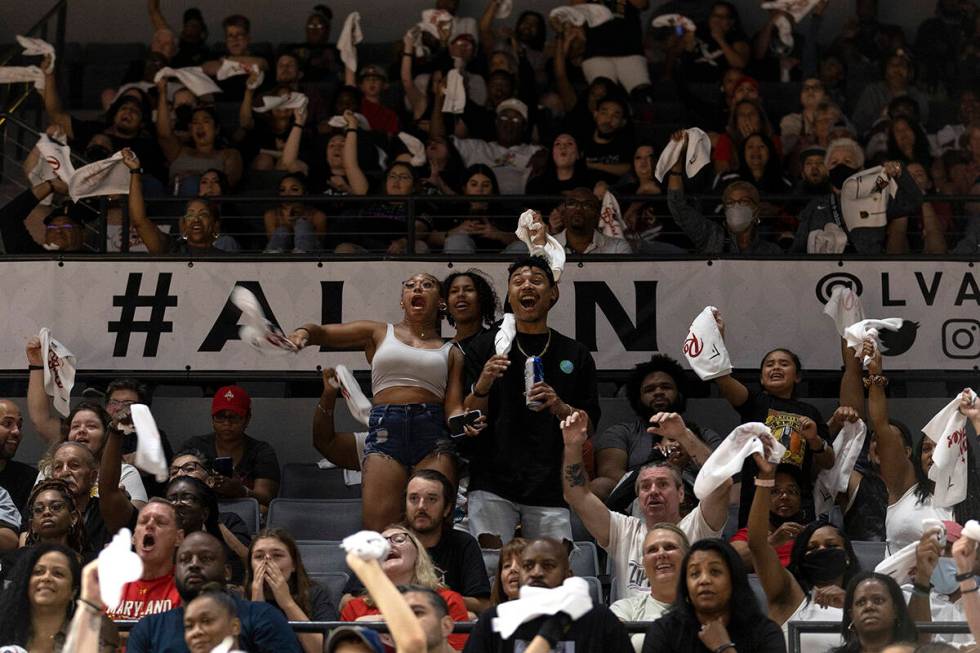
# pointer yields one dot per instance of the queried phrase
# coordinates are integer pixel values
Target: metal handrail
(40, 28)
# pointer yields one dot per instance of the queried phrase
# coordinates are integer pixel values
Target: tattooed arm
(575, 483)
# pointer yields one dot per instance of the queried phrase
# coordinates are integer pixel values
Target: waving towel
(149, 451)
(292, 101)
(256, 329)
(552, 251)
(857, 332)
(230, 68)
(727, 460)
(415, 147)
(705, 349)
(350, 36)
(900, 564)
(504, 7)
(673, 20)
(611, 217)
(106, 177)
(192, 77)
(831, 482)
(37, 47)
(829, 240)
(358, 405)
(15, 74)
(698, 154)
(118, 565)
(435, 21)
(54, 161)
(59, 371)
(340, 123)
(455, 99)
(504, 339)
(591, 14)
(971, 530)
(798, 9)
(844, 308)
(864, 200)
(949, 471)
(367, 545)
(571, 597)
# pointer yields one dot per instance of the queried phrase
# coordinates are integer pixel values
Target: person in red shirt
(408, 563)
(156, 540)
(372, 80)
(786, 518)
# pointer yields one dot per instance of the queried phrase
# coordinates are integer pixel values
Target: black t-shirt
(672, 632)
(598, 631)
(18, 480)
(458, 557)
(145, 147)
(618, 150)
(620, 37)
(865, 520)
(518, 455)
(258, 458)
(783, 417)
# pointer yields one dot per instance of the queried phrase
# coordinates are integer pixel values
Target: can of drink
(533, 373)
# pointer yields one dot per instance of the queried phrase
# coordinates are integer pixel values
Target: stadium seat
(323, 557)
(491, 558)
(112, 53)
(869, 554)
(579, 532)
(334, 583)
(316, 519)
(595, 589)
(732, 524)
(584, 559)
(760, 593)
(247, 508)
(308, 481)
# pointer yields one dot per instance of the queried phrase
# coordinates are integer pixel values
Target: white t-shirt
(639, 608)
(903, 520)
(943, 610)
(509, 164)
(815, 642)
(626, 549)
(129, 479)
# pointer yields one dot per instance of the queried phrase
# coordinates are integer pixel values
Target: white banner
(174, 316)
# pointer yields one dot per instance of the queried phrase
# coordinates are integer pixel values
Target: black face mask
(839, 174)
(97, 153)
(824, 565)
(183, 114)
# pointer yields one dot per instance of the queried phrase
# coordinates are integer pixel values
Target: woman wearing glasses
(408, 563)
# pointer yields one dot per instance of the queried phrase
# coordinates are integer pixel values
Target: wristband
(134, 171)
(555, 628)
(875, 379)
(765, 482)
(348, 130)
(921, 589)
(967, 575)
(478, 394)
(89, 604)
(724, 647)
(35, 367)
(296, 125)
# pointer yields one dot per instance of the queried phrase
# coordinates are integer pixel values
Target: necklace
(421, 333)
(527, 355)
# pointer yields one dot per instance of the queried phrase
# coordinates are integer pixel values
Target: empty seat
(334, 583)
(247, 508)
(595, 590)
(323, 557)
(869, 554)
(760, 593)
(579, 532)
(308, 481)
(584, 559)
(316, 519)
(491, 558)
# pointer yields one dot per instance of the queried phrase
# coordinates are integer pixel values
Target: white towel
(844, 308)
(705, 349)
(829, 240)
(415, 147)
(727, 459)
(149, 451)
(433, 20)
(455, 99)
(230, 68)
(15, 74)
(900, 564)
(857, 332)
(552, 250)
(971, 530)
(192, 77)
(578, 15)
(367, 545)
(831, 482)
(294, 100)
(118, 565)
(611, 217)
(340, 123)
(143, 86)
(571, 597)
(358, 405)
(54, 161)
(864, 201)
(257, 330)
(504, 7)
(37, 47)
(949, 472)
(798, 9)
(504, 340)
(698, 154)
(350, 36)
(673, 20)
(106, 177)
(59, 371)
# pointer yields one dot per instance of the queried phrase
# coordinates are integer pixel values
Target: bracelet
(765, 482)
(308, 334)
(88, 604)
(875, 379)
(975, 588)
(348, 130)
(476, 393)
(408, 54)
(967, 575)
(296, 125)
(921, 589)
(35, 367)
(724, 647)
(323, 410)
(135, 171)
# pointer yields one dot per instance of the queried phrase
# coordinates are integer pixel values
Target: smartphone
(679, 30)
(224, 466)
(458, 423)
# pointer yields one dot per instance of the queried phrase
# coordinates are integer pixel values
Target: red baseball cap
(233, 398)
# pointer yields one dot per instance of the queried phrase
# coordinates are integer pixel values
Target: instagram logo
(961, 338)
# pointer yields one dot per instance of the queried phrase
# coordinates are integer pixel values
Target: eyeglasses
(39, 509)
(397, 538)
(119, 403)
(790, 492)
(186, 469)
(184, 497)
(400, 178)
(60, 227)
(745, 201)
(227, 418)
(576, 204)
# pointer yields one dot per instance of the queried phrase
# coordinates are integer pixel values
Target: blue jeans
(406, 433)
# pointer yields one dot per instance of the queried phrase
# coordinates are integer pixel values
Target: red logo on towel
(693, 346)
(53, 365)
(53, 162)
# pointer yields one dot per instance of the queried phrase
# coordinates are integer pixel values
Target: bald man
(544, 563)
(15, 477)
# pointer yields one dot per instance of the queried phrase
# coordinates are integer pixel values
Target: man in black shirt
(429, 502)
(515, 462)
(15, 477)
(608, 151)
(544, 563)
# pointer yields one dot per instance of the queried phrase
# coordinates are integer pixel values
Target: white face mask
(738, 218)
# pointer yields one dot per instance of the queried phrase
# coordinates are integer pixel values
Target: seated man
(544, 563)
(238, 38)
(576, 226)
(15, 477)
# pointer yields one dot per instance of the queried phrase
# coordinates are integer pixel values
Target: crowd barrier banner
(177, 316)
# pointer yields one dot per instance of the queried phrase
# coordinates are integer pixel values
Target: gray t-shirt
(632, 437)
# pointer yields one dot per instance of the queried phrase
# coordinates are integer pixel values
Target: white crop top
(397, 364)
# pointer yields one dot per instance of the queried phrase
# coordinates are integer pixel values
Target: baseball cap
(372, 70)
(346, 633)
(514, 105)
(74, 211)
(814, 150)
(233, 398)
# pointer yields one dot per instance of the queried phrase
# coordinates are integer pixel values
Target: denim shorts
(407, 432)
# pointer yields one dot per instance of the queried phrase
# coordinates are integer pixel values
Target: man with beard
(515, 461)
(608, 150)
(578, 219)
(201, 561)
(814, 179)
(544, 563)
(656, 386)
(156, 539)
(15, 477)
(430, 499)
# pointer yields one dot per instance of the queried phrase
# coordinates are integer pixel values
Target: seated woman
(748, 117)
(506, 584)
(37, 607)
(275, 574)
(52, 518)
(875, 615)
(714, 606)
(408, 563)
(760, 166)
(786, 518)
(565, 170)
(211, 618)
(294, 226)
(476, 226)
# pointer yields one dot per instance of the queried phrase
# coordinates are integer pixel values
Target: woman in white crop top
(410, 367)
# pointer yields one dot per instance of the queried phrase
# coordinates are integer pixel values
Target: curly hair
(77, 539)
(484, 292)
(16, 621)
(657, 363)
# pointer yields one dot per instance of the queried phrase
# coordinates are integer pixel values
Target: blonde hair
(425, 572)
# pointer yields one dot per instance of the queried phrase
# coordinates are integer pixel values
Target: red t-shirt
(358, 607)
(143, 597)
(783, 551)
(380, 118)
